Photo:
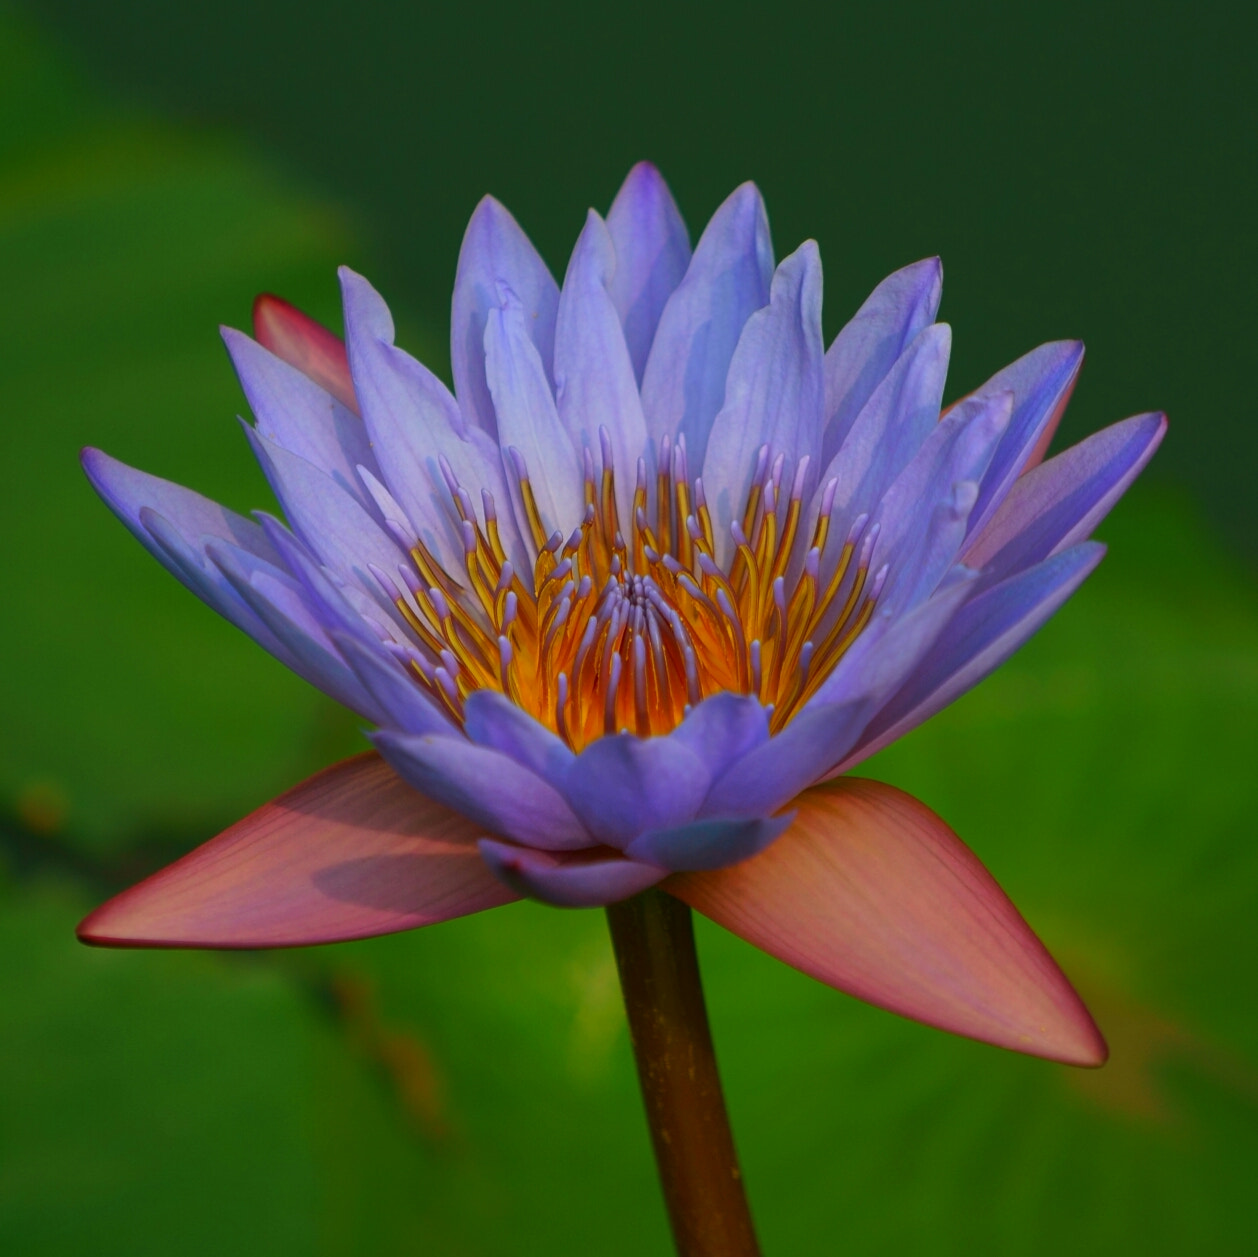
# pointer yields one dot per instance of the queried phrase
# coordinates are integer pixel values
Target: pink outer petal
(351, 852)
(301, 342)
(869, 891)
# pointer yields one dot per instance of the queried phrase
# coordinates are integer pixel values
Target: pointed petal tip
(350, 853)
(1086, 1047)
(873, 894)
(316, 351)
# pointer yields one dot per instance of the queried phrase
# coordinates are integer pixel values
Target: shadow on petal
(870, 892)
(350, 853)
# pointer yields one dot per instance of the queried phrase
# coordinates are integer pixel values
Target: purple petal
(683, 384)
(922, 518)
(350, 853)
(495, 251)
(491, 719)
(568, 880)
(1059, 503)
(414, 423)
(652, 253)
(771, 776)
(306, 345)
(621, 786)
(127, 491)
(722, 729)
(866, 349)
(822, 734)
(145, 504)
(281, 603)
(528, 421)
(982, 635)
(892, 644)
(595, 384)
(488, 787)
(1041, 383)
(774, 394)
(341, 607)
(294, 412)
(339, 531)
(902, 412)
(872, 893)
(708, 844)
(189, 563)
(403, 703)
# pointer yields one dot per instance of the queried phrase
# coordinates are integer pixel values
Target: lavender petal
(866, 349)
(565, 880)
(495, 251)
(652, 253)
(683, 383)
(485, 786)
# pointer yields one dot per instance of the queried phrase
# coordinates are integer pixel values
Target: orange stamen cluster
(627, 629)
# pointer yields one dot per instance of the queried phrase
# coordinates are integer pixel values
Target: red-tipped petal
(351, 852)
(869, 891)
(316, 352)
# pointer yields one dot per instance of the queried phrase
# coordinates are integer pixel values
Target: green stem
(653, 937)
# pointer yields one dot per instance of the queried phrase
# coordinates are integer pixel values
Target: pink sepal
(301, 342)
(869, 891)
(351, 852)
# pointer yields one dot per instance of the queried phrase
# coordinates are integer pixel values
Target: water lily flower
(627, 604)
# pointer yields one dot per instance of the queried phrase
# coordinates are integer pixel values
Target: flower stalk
(653, 938)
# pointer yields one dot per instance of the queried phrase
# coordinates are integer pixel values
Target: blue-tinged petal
(722, 729)
(866, 349)
(403, 703)
(890, 429)
(568, 879)
(281, 604)
(339, 531)
(652, 253)
(707, 844)
(127, 491)
(979, 638)
(769, 777)
(487, 787)
(824, 732)
(892, 644)
(774, 393)
(528, 421)
(1041, 383)
(415, 424)
(495, 251)
(1059, 503)
(342, 607)
(922, 518)
(491, 719)
(293, 411)
(683, 385)
(621, 786)
(187, 561)
(595, 384)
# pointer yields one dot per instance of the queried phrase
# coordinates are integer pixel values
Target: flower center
(627, 629)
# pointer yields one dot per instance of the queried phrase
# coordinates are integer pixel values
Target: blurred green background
(469, 1089)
